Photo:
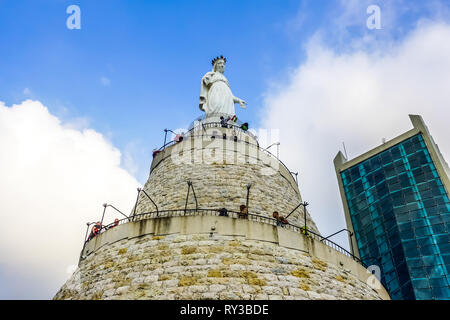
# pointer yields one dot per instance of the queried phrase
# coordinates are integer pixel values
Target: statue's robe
(215, 95)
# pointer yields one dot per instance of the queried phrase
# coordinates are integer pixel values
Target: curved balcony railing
(233, 215)
(230, 126)
(203, 126)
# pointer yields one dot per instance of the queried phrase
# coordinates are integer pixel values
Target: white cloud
(358, 97)
(54, 179)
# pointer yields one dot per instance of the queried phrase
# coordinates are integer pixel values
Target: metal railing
(231, 214)
(202, 127)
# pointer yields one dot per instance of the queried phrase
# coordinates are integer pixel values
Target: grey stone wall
(197, 266)
(220, 171)
(211, 257)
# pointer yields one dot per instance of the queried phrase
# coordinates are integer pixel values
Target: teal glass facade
(400, 213)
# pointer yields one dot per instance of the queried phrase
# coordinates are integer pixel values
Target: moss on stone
(163, 277)
(122, 251)
(304, 286)
(223, 281)
(234, 243)
(157, 237)
(339, 278)
(187, 281)
(166, 253)
(256, 282)
(188, 250)
(214, 249)
(248, 274)
(215, 273)
(133, 258)
(229, 261)
(230, 274)
(252, 278)
(163, 246)
(243, 261)
(300, 273)
(122, 283)
(109, 265)
(163, 259)
(319, 264)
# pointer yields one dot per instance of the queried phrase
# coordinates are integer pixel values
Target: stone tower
(177, 245)
(203, 226)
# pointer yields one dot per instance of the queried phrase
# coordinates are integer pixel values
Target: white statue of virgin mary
(216, 97)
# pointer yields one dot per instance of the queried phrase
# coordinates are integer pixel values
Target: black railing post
(157, 211)
(103, 215)
(304, 210)
(85, 240)
(293, 210)
(137, 199)
(253, 217)
(304, 204)
(248, 194)
(296, 176)
(187, 196)
(165, 137)
(109, 205)
(351, 242)
(195, 197)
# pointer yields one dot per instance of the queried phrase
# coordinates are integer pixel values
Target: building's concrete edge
(436, 155)
(388, 144)
(339, 160)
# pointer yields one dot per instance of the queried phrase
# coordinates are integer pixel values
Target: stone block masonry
(222, 182)
(180, 259)
(198, 267)
(214, 257)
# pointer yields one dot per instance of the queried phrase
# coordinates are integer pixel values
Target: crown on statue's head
(217, 59)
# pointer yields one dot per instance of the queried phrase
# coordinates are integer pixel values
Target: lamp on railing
(165, 135)
(296, 176)
(304, 204)
(105, 205)
(350, 234)
(88, 224)
(190, 185)
(278, 148)
(139, 191)
(137, 199)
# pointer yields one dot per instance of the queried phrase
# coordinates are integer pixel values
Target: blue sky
(134, 69)
(152, 54)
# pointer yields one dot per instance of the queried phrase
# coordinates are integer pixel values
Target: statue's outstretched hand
(243, 104)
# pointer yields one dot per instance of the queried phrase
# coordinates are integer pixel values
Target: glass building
(396, 202)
